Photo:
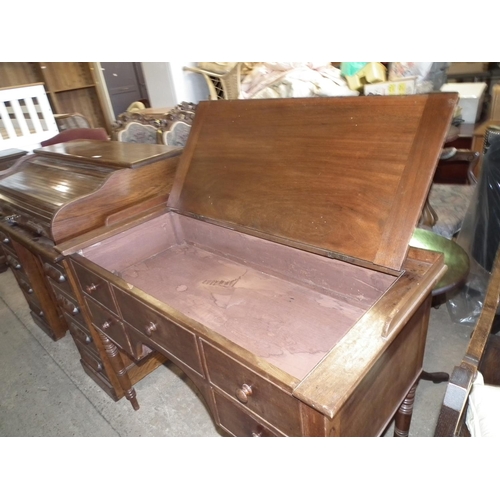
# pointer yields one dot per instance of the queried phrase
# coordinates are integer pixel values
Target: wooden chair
(224, 85)
(134, 127)
(71, 120)
(176, 125)
(171, 128)
(97, 134)
(469, 407)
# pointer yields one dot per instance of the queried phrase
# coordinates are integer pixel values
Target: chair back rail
(481, 354)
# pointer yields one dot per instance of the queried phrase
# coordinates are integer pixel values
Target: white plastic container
(471, 98)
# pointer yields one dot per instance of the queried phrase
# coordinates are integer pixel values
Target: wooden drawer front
(67, 304)
(13, 261)
(36, 309)
(238, 422)
(95, 286)
(5, 238)
(79, 333)
(92, 360)
(113, 328)
(25, 285)
(56, 274)
(252, 391)
(154, 329)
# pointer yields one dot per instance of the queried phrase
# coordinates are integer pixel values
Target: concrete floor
(45, 392)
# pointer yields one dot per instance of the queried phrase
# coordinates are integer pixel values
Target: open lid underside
(345, 175)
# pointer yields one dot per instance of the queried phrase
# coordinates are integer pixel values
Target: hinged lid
(345, 175)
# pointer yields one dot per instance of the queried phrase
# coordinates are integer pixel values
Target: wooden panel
(83, 101)
(67, 75)
(378, 396)
(307, 169)
(13, 74)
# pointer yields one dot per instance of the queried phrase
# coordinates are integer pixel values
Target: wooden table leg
(404, 414)
(120, 370)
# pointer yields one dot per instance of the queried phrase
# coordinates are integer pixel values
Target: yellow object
(373, 72)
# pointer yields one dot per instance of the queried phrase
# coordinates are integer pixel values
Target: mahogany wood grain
(306, 170)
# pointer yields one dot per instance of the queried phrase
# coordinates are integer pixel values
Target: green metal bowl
(455, 257)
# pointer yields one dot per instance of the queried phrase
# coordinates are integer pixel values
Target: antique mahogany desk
(278, 276)
(66, 190)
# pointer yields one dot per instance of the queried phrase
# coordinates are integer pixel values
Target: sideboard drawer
(95, 286)
(153, 328)
(260, 396)
(238, 422)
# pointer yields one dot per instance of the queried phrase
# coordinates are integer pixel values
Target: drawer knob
(13, 262)
(243, 393)
(106, 325)
(57, 276)
(150, 329)
(91, 288)
(6, 240)
(68, 306)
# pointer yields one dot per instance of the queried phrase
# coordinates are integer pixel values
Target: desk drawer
(114, 329)
(238, 422)
(79, 333)
(154, 329)
(252, 391)
(57, 275)
(94, 286)
(5, 238)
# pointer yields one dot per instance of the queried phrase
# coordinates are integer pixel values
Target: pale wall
(168, 84)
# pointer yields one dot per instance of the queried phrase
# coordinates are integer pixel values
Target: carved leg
(119, 369)
(403, 416)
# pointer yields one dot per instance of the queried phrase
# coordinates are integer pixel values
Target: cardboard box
(396, 87)
(457, 68)
(471, 98)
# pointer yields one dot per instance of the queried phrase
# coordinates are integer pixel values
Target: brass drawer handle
(150, 329)
(91, 288)
(243, 393)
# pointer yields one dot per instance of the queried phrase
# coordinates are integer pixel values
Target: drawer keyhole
(243, 393)
(150, 329)
(91, 288)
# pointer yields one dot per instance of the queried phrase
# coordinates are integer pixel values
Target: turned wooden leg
(403, 416)
(119, 368)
